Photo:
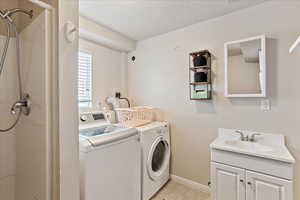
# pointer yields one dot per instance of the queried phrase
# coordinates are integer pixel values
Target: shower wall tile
(32, 136)
(30, 128)
(8, 95)
(7, 154)
(8, 4)
(7, 188)
(8, 79)
(33, 71)
(31, 162)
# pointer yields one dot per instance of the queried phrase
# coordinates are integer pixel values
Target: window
(84, 79)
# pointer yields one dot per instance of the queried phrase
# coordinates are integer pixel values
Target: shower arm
(9, 13)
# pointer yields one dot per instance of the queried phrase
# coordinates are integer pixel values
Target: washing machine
(155, 141)
(110, 159)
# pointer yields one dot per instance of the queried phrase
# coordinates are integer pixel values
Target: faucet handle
(243, 138)
(23, 105)
(252, 138)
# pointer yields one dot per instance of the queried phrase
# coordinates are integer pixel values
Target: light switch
(265, 105)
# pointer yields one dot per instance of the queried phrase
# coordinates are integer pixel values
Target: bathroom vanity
(245, 166)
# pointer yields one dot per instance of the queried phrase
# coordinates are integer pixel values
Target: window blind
(84, 79)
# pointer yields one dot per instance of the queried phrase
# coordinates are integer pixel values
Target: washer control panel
(92, 117)
(83, 118)
(97, 117)
(163, 130)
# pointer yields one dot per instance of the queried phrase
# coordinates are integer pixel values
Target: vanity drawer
(258, 164)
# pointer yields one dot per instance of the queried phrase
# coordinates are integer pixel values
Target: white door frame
(52, 185)
(67, 116)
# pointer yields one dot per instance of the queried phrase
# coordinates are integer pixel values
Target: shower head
(9, 13)
(1, 14)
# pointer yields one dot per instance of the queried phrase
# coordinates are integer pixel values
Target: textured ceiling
(141, 19)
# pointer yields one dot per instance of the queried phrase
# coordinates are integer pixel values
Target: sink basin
(248, 145)
(267, 145)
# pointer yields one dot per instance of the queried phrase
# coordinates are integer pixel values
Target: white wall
(109, 71)
(94, 32)
(8, 95)
(110, 64)
(159, 77)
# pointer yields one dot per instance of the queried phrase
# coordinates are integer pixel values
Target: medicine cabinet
(245, 67)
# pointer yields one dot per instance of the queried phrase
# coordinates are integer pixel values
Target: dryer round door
(158, 158)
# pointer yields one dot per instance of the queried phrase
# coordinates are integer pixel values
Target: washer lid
(99, 136)
(92, 131)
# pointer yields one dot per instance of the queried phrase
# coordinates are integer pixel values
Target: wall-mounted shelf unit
(200, 75)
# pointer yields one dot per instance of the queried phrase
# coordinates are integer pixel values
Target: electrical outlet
(265, 105)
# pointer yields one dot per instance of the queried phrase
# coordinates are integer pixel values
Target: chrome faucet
(24, 105)
(246, 138)
(252, 138)
(18, 105)
(243, 137)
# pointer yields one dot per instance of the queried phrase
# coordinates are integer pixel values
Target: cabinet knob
(242, 181)
(249, 183)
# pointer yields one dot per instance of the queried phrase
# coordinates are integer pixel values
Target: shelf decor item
(200, 75)
(199, 60)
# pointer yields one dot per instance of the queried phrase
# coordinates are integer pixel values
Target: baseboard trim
(190, 183)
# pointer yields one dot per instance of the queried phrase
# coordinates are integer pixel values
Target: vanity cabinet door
(264, 187)
(228, 183)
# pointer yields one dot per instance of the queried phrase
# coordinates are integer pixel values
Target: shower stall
(26, 52)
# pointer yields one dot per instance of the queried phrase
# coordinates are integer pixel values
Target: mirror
(245, 67)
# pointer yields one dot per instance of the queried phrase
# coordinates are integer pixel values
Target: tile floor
(177, 191)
